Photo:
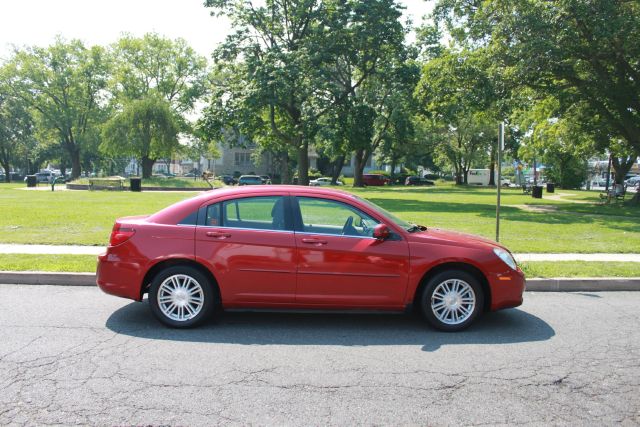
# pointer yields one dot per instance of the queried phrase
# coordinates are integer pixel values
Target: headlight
(506, 257)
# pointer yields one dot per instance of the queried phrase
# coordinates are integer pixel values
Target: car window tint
(190, 219)
(263, 213)
(332, 217)
(213, 215)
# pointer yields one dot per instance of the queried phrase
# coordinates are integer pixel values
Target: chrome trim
(335, 235)
(246, 229)
(260, 270)
(327, 273)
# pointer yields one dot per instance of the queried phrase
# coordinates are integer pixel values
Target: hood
(453, 238)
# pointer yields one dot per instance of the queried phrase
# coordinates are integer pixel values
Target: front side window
(262, 213)
(331, 217)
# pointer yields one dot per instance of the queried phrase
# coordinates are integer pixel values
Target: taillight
(120, 234)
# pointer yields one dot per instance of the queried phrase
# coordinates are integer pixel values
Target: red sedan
(279, 247)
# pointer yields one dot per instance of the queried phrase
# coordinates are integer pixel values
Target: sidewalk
(95, 250)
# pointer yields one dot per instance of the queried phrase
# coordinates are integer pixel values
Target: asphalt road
(77, 356)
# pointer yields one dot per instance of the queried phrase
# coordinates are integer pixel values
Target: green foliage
(583, 53)
(158, 66)
(64, 85)
(146, 129)
(16, 130)
(287, 64)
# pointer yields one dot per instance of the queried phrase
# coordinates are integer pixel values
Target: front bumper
(507, 289)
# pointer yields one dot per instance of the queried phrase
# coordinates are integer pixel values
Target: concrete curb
(47, 278)
(602, 284)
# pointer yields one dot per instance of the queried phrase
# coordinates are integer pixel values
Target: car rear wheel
(181, 297)
(452, 300)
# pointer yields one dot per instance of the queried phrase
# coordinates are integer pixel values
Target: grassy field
(87, 263)
(570, 221)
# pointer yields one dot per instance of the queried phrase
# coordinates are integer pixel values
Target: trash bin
(536, 192)
(32, 180)
(135, 184)
(551, 188)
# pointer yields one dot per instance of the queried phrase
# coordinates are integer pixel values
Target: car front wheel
(181, 297)
(452, 300)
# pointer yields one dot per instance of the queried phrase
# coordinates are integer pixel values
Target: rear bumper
(117, 277)
(507, 289)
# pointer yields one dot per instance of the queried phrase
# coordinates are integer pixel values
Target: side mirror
(381, 232)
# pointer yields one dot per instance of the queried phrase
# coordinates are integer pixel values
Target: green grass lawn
(87, 263)
(86, 218)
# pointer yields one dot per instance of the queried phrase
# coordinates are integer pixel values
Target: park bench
(109, 183)
(617, 192)
(526, 188)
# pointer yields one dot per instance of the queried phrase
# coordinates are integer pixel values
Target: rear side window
(262, 213)
(213, 215)
(190, 219)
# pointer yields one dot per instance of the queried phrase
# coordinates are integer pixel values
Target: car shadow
(291, 328)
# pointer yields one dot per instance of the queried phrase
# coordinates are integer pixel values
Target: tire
(181, 297)
(452, 300)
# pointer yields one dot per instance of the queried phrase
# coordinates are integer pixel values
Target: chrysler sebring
(284, 247)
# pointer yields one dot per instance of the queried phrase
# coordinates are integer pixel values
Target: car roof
(176, 212)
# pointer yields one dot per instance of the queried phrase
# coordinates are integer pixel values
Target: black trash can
(32, 180)
(135, 184)
(536, 192)
(551, 188)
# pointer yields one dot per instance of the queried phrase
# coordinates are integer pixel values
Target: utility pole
(499, 183)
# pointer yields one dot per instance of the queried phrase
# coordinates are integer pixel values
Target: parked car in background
(374, 179)
(250, 180)
(228, 180)
(279, 247)
(416, 180)
(322, 182)
(266, 179)
(633, 182)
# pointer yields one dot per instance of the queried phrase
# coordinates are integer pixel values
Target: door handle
(316, 242)
(218, 235)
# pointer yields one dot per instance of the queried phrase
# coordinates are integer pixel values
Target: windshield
(399, 222)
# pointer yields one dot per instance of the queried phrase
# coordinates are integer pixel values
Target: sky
(37, 22)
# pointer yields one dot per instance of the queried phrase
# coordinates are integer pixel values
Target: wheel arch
(158, 267)
(460, 266)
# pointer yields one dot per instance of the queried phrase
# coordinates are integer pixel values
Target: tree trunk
(622, 166)
(360, 160)
(336, 169)
(7, 175)
(303, 163)
(285, 176)
(76, 168)
(147, 167)
(492, 168)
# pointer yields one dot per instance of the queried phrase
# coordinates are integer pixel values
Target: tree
(165, 68)
(289, 59)
(458, 99)
(16, 130)
(64, 84)
(155, 82)
(146, 129)
(581, 52)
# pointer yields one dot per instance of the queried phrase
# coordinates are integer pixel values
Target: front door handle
(316, 242)
(218, 235)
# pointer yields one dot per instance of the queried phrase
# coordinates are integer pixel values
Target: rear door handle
(218, 235)
(316, 242)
